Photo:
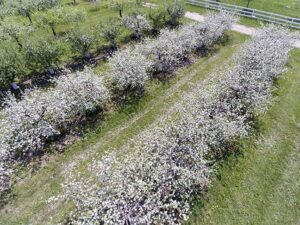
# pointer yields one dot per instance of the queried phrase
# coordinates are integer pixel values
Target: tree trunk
(248, 3)
(29, 17)
(53, 31)
(18, 42)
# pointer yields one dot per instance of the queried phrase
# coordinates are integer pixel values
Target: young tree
(9, 29)
(59, 15)
(25, 8)
(119, 5)
(137, 23)
(81, 42)
(157, 18)
(110, 30)
(176, 11)
(11, 65)
(43, 54)
(248, 3)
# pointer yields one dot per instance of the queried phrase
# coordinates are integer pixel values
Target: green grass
(284, 7)
(262, 186)
(29, 194)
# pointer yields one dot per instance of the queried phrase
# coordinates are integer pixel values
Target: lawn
(262, 186)
(28, 202)
(284, 7)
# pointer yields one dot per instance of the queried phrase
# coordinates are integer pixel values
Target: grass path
(28, 205)
(263, 185)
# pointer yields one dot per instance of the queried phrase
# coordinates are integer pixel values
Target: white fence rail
(290, 22)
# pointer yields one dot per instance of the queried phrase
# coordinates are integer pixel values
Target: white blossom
(154, 181)
(129, 69)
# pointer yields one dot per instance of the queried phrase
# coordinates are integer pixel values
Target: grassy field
(262, 186)
(29, 195)
(285, 7)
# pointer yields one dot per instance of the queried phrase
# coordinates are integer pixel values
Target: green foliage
(9, 29)
(11, 64)
(175, 10)
(43, 54)
(110, 30)
(118, 5)
(81, 42)
(157, 18)
(59, 15)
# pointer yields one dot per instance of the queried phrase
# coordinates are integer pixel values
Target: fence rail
(290, 22)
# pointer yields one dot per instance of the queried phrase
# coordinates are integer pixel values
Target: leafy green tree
(43, 54)
(81, 42)
(11, 66)
(25, 8)
(157, 19)
(110, 30)
(175, 10)
(57, 16)
(119, 5)
(9, 29)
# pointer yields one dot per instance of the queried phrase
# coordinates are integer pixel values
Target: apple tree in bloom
(128, 70)
(27, 125)
(164, 167)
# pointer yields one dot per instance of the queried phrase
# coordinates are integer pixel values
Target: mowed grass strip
(262, 186)
(28, 204)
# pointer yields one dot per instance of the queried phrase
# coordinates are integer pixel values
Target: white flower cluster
(172, 47)
(154, 183)
(28, 124)
(129, 69)
(150, 185)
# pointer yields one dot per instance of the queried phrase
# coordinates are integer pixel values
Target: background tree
(157, 18)
(119, 5)
(136, 22)
(175, 10)
(81, 42)
(41, 54)
(11, 65)
(25, 8)
(9, 29)
(248, 2)
(110, 30)
(57, 16)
